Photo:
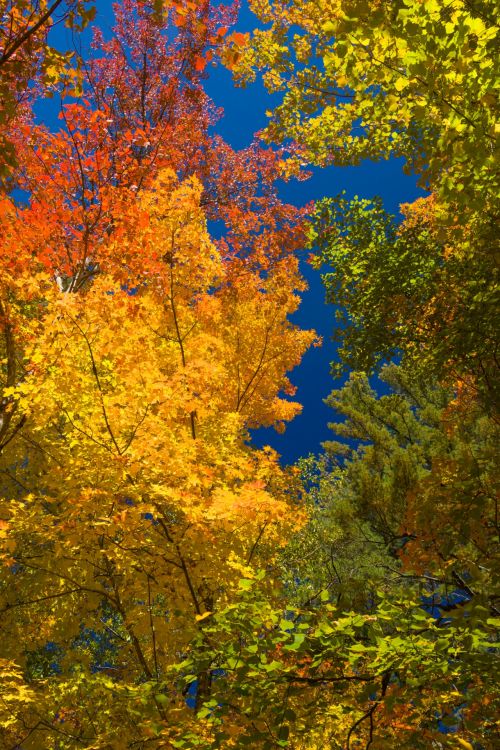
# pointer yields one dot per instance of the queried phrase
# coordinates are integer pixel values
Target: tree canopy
(163, 582)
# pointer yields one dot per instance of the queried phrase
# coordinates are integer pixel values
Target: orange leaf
(180, 20)
(239, 39)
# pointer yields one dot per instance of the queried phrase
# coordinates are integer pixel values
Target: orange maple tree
(136, 352)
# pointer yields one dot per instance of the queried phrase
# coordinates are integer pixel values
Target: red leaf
(200, 63)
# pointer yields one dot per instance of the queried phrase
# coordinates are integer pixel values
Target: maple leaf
(239, 39)
(200, 63)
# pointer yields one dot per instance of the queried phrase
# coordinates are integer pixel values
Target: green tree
(399, 289)
(374, 79)
(385, 626)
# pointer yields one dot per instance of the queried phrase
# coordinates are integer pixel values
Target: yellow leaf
(204, 616)
(401, 83)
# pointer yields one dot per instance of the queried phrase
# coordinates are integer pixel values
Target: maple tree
(120, 136)
(136, 353)
(130, 498)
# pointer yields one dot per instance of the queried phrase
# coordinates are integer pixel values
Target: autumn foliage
(163, 582)
(136, 353)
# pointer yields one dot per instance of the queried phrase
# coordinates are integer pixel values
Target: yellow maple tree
(132, 499)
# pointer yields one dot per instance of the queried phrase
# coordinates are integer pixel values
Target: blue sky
(245, 115)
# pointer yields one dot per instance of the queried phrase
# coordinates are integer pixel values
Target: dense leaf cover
(165, 584)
